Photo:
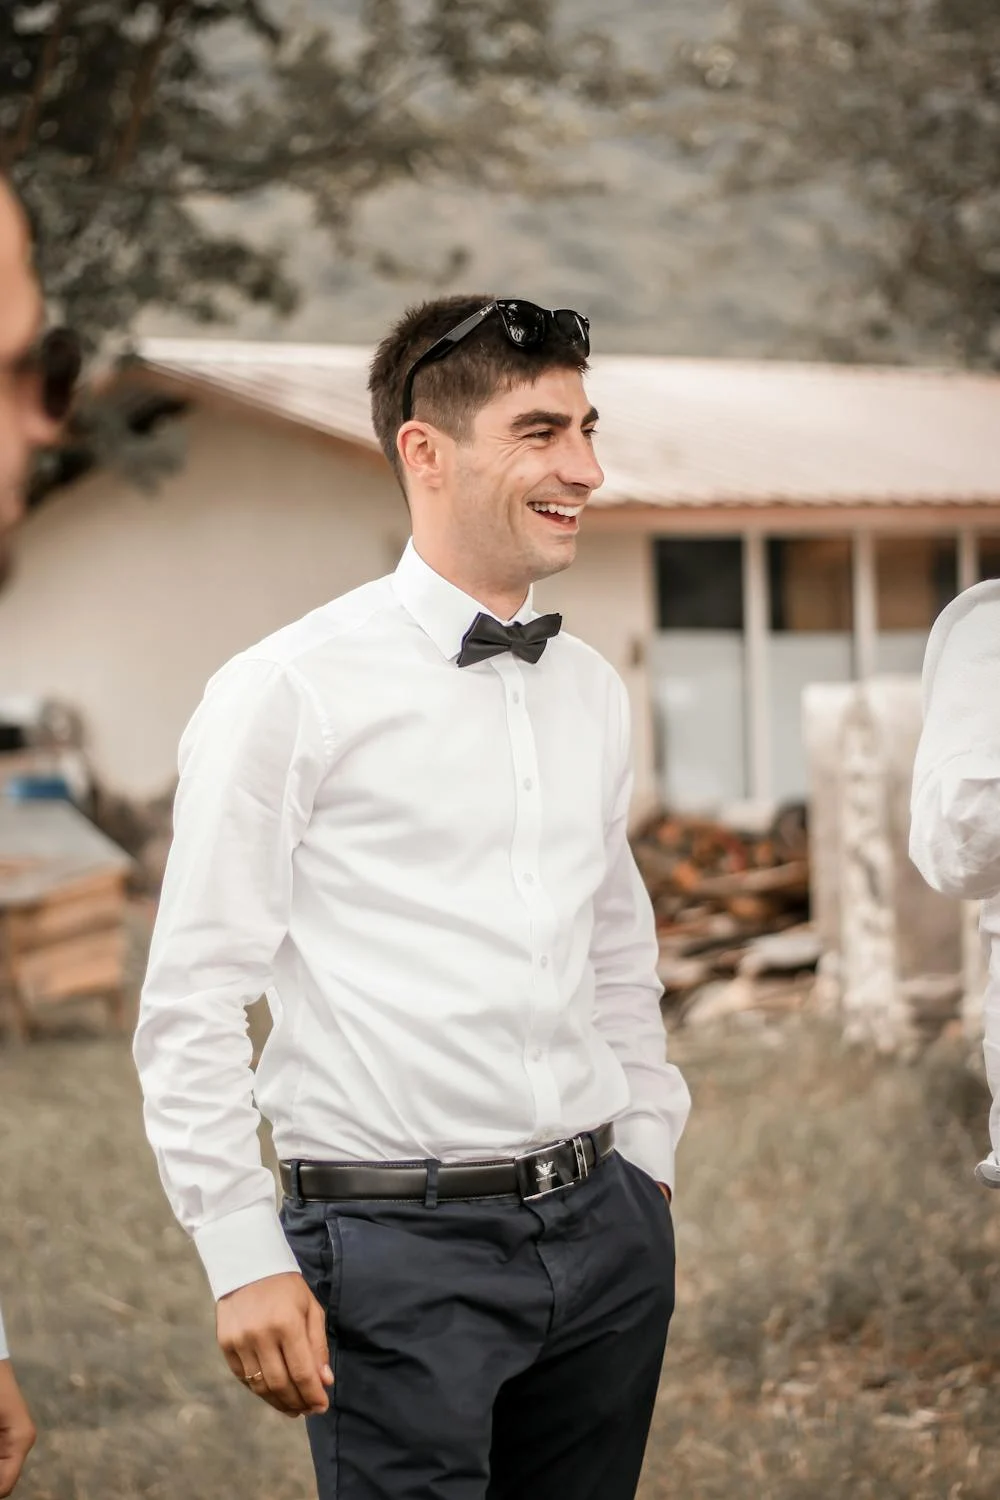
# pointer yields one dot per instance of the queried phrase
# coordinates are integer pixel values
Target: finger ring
(249, 1379)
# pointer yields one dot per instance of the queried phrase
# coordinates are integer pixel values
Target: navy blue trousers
(490, 1350)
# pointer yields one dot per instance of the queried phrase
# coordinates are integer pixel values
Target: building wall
(124, 604)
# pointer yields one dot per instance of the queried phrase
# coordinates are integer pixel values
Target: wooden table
(62, 911)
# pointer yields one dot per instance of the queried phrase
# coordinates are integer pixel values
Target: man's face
(24, 425)
(521, 482)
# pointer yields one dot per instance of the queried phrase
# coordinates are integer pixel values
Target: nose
(580, 468)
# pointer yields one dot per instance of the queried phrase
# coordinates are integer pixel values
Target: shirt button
(544, 961)
(536, 1054)
(528, 783)
(529, 879)
(515, 697)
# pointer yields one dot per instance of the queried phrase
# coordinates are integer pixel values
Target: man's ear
(421, 450)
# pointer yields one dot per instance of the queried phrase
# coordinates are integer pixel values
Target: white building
(762, 526)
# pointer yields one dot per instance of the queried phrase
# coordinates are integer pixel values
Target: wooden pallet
(63, 903)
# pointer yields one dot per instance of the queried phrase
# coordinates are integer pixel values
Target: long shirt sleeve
(250, 762)
(955, 803)
(955, 807)
(625, 954)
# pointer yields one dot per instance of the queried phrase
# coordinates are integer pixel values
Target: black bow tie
(487, 637)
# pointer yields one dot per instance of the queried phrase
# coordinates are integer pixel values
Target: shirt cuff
(4, 1351)
(647, 1143)
(242, 1247)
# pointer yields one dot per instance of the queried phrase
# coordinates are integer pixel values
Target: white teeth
(556, 510)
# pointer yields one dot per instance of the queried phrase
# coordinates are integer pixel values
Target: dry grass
(838, 1331)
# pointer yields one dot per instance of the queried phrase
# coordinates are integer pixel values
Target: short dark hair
(451, 391)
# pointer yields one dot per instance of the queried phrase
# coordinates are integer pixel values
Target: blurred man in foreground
(955, 807)
(36, 382)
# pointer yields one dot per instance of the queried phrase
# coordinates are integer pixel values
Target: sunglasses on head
(55, 361)
(526, 326)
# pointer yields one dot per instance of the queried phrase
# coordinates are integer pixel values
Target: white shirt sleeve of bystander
(955, 802)
(251, 761)
(625, 954)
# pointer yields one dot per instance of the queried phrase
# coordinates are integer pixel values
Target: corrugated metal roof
(687, 432)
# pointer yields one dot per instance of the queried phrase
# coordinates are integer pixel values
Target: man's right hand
(17, 1430)
(275, 1330)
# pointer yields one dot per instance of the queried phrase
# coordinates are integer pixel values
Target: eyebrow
(550, 419)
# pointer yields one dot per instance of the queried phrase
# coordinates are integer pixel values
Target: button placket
(526, 842)
(526, 874)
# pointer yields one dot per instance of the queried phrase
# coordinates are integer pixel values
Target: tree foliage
(898, 99)
(120, 119)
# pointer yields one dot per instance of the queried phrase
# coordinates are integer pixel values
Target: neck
(500, 598)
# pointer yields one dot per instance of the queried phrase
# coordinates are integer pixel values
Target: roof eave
(222, 398)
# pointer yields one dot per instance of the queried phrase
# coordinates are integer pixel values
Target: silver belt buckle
(539, 1174)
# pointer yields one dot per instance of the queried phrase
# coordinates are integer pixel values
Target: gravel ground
(838, 1325)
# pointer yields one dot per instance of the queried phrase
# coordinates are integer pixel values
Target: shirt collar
(441, 610)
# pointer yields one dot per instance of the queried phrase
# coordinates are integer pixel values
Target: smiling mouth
(563, 517)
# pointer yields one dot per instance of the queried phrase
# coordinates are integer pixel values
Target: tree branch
(142, 89)
(21, 138)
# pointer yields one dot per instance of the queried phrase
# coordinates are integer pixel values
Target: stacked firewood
(727, 901)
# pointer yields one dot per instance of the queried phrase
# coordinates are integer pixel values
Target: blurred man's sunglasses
(55, 361)
(526, 325)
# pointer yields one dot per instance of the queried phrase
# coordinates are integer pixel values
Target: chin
(554, 560)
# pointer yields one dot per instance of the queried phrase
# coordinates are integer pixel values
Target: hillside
(661, 261)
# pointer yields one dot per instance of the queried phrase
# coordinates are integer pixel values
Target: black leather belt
(536, 1174)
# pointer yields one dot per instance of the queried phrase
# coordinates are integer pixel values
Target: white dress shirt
(955, 804)
(426, 870)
